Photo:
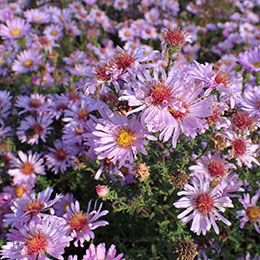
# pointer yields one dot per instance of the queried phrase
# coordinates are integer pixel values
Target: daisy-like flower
(60, 157)
(37, 16)
(251, 101)
(61, 205)
(26, 166)
(53, 31)
(119, 139)
(14, 28)
(82, 224)
(250, 60)
(31, 207)
(154, 96)
(37, 240)
(31, 129)
(26, 61)
(217, 170)
(190, 121)
(36, 102)
(251, 211)
(99, 252)
(204, 203)
(242, 149)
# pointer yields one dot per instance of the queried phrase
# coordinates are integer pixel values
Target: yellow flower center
(253, 213)
(125, 137)
(37, 19)
(65, 206)
(54, 33)
(256, 64)
(15, 32)
(78, 222)
(27, 168)
(28, 63)
(19, 191)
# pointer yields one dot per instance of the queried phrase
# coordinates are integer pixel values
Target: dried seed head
(186, 250)
(122, 107)
(142, 171)
(179, 178)
(223, 234)
(219, 142)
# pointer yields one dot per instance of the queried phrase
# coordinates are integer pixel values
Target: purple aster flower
(53, 31)
(250, 60)
(58, 104)
(251, 101)
(247, 257)
(26, 166)
(251, 211)
(26, 61)
(153, 96)
(189, 121)
(242, 149)
(34, 240)
(31, 207)
(5, 105)
(217, 170)
(204, 203)
(62, 204)
(82, 224)
(61, 157)
(119, 139)
(99, 252)
(37, 16)
(36, 102)
(31, 129)
(14, 28)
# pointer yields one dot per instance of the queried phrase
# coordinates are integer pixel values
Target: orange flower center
(36, 243)
(34, 207)
(78, 221)
(27, 168)
(54, 33)
(19, 191)
(35, 103)
(253, 213)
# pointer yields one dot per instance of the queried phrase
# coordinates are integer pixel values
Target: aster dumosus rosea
(119, 138)
(81, 224)
(37, 240)
(251, 211)
(203, 205)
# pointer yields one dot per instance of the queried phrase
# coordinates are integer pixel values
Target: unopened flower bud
(102, 190)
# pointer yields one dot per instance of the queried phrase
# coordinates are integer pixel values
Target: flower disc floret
(204, 203)
(36, 243)
(125, 137)
(159, 93)
(253, 213)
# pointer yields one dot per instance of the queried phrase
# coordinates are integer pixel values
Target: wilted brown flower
(142, 171)
(179, 178)
(187, 250)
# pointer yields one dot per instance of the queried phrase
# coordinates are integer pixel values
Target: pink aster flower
(154, 95)
(119, 138)
(37, 240)
(189, 120)
(26, 61)
(250, 60)
(31, 207)
(204, 203)
(251, 211)
(60, 157)
(217, 169)
(99, 252)
(82, 224)
(31, 129)
(34, 103)
(26, 166)
(242, 149)
(14, 28)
